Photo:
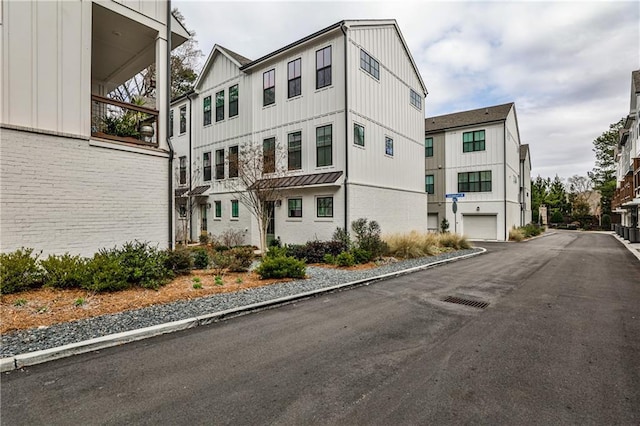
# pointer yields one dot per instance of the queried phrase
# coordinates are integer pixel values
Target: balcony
(624, 193)
(123, 122)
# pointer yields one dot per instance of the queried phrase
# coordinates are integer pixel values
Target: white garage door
(480, 227)
(432, 222)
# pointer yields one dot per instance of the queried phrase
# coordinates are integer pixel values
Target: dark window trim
(206, 111)
(183, 119)
(322, 69)
(206, 169)
(388, 151)
(477, 184)
(475, 144)
(369, 64)
(171, 123)
(329, 213)
(296, 210)
(429, 187)
(415, 99)
(268, 87)
(233, 161)
(269, 155)
(294, 162)
(355, 134)
(428, 148)
(219, 163)
(220, 105)
(233, 101)
(183, 170)
(325, 147)
(294, 86)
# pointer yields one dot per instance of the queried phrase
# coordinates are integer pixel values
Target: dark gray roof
(199, 190)
(524, 150)
(241, 59)
(635, 77)
(181, 191)
(300, 180)
(468, 118)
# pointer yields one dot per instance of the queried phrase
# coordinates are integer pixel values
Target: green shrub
(19, 271)
(281, 267)
(241, 259)
(557, 217)
(531, 230)
(277, 251)
(329, 259)
(314, 251)
(143, 264)
(106, 273)
(204, 239)
(345, 259)
(200, 258)
(221, 247)
(220, 261)
(275, 243)
(367, 236)
(64, 271)
(179, 261)
(341, 235)
(606, 222)
(444, 226)
(360, 255)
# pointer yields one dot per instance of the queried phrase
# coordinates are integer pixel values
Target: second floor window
(233, 161)
(183, 119)
(428, 147)
(474, 181)
(294, 157)
(429, 186)
(269, 87)
(171, 123)
(183, 170)
(324, 146)
(358, 134)
(415, 99)
(269, 155)
(294, 77)
(233, 101)
(388, 146)
(369, 64)
(220, 105)
(220, 164)
(206, 166)
(206, 111)
(473, 141)
(323, 67)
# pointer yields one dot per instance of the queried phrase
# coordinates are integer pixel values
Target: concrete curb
(633, 248)
(39, 357)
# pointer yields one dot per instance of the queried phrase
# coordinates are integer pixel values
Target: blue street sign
(459, 195)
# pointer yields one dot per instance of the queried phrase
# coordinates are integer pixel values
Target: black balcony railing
(123, 122)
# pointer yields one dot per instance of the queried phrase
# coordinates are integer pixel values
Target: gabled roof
(234, 57)
(468, 118)
(524, 151)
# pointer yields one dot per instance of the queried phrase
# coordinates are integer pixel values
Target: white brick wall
(62, 195)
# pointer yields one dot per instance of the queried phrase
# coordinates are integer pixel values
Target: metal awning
(181, 191)
(199, 190)
(298, 180)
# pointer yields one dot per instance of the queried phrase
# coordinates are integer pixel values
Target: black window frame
(324, 147)
(206, 166)
(182, 175)
(430, 188)
(269, 87)
(206, 111)
(329, 206)
(294, 151)
(183, 119)
(219, 159)
(296, 210)
(475, 181)
(388, 151)
(356, 136)
(428, 148)
(269, 155)
(294, 82)
(415, 99)
(475, 144)
(322, 68)
(233, 161)
(220, 106)
(233, 100)
(369, 64)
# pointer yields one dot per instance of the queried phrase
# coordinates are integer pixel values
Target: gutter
(189, 200)
(346, 130)
(168, 107)
(504, 173)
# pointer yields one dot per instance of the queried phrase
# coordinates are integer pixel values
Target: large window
(323, 67)
(218, 208)
(295, 151)
(428, 184)
(295, 207)
(171, 123)
(183, 170)
(269, 155)
(474, 181)
(294, 74)
(219, 163)
(233, 161)
(323, 146)
(183, 119)
(269, 87)
(233, 101)
(358, 134)
(415, 99)
(206, 166)
(324, 206)
(220, 105)
(428, 147)
(206, 111)
(473, 141)
(369, 64)
(388, 146)
(235, 208)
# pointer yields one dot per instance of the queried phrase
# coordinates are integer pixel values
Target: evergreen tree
(603, 174)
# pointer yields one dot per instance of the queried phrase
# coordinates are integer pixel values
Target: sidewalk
(634, 248)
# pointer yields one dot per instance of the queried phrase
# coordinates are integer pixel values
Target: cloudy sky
(567, 66)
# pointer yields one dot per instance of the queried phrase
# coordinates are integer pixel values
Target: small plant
(220, 261)
(281, 267)
(20, 302)
(367, 236)
(241, 259)
(105, 273)
(277, 251)
(239, 280)
(218, 280)
(179, 261)
(79, 302)
(204, 239)
(42, 309)
(343, 237)
(19, 271)
(196, 279)
(330, 259)
(197, 285)
(361, 256)
(444, 226)
(276, 242)
(200, 258)
(516, 234)
(64, 271)
(345, 259)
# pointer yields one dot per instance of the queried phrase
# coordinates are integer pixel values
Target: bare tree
(259, 170)
(185, 203)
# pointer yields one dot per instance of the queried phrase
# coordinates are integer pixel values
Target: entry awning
(199, 190)
(181, 192)
(298, 181)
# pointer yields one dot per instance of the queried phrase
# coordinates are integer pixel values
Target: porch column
(161, 89)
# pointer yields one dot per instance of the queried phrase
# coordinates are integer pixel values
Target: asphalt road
(558, 344)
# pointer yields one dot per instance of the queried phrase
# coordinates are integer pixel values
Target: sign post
(454, 207)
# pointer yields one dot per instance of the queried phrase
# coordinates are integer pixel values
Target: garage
(432, 222)
(480, 227)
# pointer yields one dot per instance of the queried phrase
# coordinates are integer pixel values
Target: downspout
(346, 131)
(189, 200)
(168, 108)
(504, 165)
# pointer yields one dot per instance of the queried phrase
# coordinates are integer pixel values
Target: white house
(478, 154)
(346, 106)
(72, 180)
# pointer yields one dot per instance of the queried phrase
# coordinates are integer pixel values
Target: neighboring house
(79, 170)
(478, 153)
(626, 198)
(346, 106)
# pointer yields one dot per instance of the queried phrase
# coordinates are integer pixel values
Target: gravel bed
(23, 341)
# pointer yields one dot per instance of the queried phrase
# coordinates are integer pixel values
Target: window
(369, 64)
(183, 170)
(203, 217)
(220, 105)
(323, 67)
(323, 146)
(388, 146)
(206, 111)
(269, 155)
(428, 147)
(218, 208)
(295, 151)
(182, 208)
(324, 206)
(294, 76)
(358, 134)
(415, 99)
(171, 123)
(206, 166)
(428, 184)
(234, 208)
(233, 161)
(233, 101)
(473, 141)
(183, 119)
(474, 181)
(219, 163)
(269, 87)
(295, 207)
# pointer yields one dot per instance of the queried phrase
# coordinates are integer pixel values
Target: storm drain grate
(466, 302)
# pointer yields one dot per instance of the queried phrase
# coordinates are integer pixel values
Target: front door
(271, 225)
